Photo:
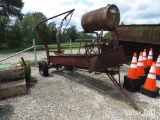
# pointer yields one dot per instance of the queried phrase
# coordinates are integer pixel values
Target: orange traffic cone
(132, 72)
(158, 68)
(140, 70)
(149, 61)
(150, 58)
(149, 88)
(131, 81)
(145, 58)
(150, 83)
(140, 65)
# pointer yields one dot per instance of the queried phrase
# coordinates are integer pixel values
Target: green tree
(14, 36)
(3, 26)
(107, 35)
(52, 32)
(8, 8)
(88, 36)
(11, 8)
(70, 33)
(28, 24)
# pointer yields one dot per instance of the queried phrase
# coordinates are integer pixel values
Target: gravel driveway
(74, 95)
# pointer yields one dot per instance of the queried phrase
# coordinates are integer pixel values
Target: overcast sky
(132, 11)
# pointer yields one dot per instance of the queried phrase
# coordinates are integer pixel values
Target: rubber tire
(43, 68)
(27, 72)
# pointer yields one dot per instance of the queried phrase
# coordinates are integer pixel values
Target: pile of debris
(13, 79)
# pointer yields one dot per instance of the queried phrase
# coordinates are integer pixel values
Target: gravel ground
(74, 95)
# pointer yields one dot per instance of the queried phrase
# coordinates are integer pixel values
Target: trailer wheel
(43, 68)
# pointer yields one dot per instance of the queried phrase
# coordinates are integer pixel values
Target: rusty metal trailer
(134, 38)
(105, 60)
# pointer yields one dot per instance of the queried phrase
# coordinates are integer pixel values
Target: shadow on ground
(6, 112)
(103, 87)
(31, 83)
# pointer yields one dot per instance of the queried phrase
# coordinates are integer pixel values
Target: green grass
(29, 62)
(6, 50)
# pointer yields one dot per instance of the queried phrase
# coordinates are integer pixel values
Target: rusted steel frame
(112, 71)
(149, 33)
(40, 34)
(139, 42)
(121, 90)
(76, 60)
(107, 59)
(97, 38)
(139, 25)
(101, 35)
(82, 37)
(98, 42)
(58, 32)
(70, 11)
(115, 41)
(93, 62)
(45, 44)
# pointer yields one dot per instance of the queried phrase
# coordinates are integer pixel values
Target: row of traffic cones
(137, 78)
(133, 80)
(149, 62)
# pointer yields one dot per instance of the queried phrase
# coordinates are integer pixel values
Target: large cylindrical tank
(106, 18)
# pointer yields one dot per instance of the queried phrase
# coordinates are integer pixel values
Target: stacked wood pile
(12, 81)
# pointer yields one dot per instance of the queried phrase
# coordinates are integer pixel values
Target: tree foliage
(70, 33)
(11, 8)
(107, 35)
(3, 26)
(8, 8)
(52, 30)
(19, 32)
(28, 24)
(14, 36)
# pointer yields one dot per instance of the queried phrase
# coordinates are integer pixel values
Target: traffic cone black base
(149, 93)
(146, 70)
(131, 85)
(157, 77)
(142, 79)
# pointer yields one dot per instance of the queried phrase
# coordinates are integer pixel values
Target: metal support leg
(124, 93)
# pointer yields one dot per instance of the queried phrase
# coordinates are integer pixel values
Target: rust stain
(106, 18)
(139, 33)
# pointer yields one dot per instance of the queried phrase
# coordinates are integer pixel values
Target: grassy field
(5, 50)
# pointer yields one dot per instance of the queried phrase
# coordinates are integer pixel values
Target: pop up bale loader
(107, 59)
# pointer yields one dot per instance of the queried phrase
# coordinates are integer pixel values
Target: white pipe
(34, 45)
(16, 53)
(71, 46)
